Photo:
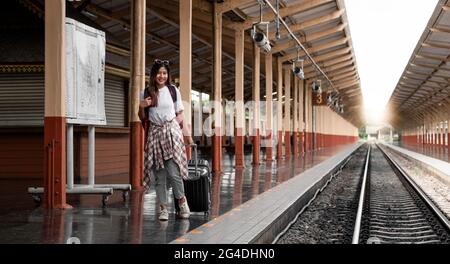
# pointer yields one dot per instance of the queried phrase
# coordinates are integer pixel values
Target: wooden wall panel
(21, 156)
(111, 155)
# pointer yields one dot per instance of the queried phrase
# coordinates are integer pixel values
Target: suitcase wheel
(105, 199)
(37, 199)
(125, 195)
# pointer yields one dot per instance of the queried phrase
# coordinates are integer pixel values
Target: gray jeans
(171, 172)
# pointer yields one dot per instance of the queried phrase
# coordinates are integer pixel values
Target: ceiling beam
(309, 23)
(284, 12)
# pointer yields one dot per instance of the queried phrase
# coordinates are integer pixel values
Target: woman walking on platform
(162, 109)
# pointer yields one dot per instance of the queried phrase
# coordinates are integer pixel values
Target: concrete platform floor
(135, 221)
(437, 152)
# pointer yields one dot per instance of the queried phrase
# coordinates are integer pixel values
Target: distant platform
(443, 167)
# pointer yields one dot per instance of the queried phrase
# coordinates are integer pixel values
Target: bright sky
(384, 35)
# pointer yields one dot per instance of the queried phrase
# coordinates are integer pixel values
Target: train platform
(436, 151)
(261, 219)
(237, 195)
(434, 158)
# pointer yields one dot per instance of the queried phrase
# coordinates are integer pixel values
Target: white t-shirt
(165, 111)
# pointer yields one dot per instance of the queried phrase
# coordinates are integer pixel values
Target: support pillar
(301, 148)
(256, 104)
(448, 138)
(307, 108)
(186, 67)
(269, 90)
(54, 118)
(295, 132)
(287, 114)
(217, 88)
(239, 97)
(280, 109)
(138, 23)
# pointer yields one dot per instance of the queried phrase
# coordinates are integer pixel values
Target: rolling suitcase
(198, 187)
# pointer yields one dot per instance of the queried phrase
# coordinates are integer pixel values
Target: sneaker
(164, 215)
(184, 210)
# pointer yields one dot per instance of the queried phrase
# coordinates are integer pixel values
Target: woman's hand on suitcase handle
(194, 147)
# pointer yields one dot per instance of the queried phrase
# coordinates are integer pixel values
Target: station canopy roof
(320, 25)
(422, 93)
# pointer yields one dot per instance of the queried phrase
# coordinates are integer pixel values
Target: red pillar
(269, 146)
(239, 148)
(136, 155)
(217, 153)
(280, 146)
(137, 80)
(54, 114)
(256, 147)
(295, 146)
(307, 142)
(300, 143)
(448, 144)
(55, 163)
(287, 145)
(317, 141)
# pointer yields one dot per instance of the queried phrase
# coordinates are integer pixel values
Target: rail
(356, 232)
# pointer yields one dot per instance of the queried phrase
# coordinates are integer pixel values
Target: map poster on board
(85, 70)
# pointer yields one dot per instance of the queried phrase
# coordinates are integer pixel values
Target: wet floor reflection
(136, 217)
(215, 195)
(135, 221)
(255, 182)
(54, 227)
(237, 190)
(267, 177)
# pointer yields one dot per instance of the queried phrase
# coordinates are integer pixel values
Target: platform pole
(217, 88)
(70, 175)
(280, 109)
(287, 114)
(256, 104)
(91, 155)
(239, 97)
(138, 35)
(269, 106)
(186, 67)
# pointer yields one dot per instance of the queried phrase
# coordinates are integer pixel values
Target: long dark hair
(152, 87)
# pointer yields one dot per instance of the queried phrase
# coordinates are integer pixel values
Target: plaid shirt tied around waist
(163, 143)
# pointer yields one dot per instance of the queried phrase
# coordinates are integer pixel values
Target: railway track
(388, 207)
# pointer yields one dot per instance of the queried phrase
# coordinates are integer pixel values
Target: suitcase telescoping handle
(194, 147)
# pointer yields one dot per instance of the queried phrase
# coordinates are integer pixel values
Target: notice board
(85, 74)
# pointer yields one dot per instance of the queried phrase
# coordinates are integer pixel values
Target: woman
(164, 149)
